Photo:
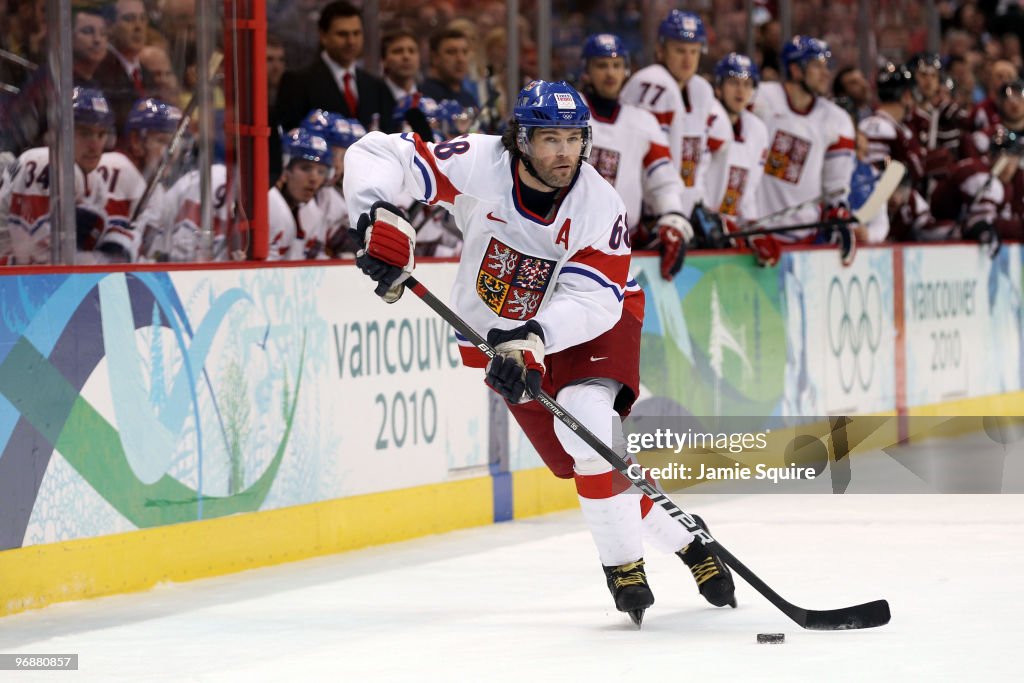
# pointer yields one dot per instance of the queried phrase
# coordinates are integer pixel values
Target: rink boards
(165, 426)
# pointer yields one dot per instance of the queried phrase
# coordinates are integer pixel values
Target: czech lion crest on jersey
(737, 179)
(512, 284)
(787, 157)
(605, 162)
(692, 148)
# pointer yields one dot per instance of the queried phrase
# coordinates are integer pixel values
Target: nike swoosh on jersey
(490, 215)
(594, 359)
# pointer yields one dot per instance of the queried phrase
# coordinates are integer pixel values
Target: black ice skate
(628, 585)
(714, 580)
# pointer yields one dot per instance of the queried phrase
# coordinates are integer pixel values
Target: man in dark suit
(332, 82)
(121, 74)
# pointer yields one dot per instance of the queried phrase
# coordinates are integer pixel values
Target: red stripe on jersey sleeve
(118, 208)
(841, 143)
(655, 153)
(446, 191)
(664, 117)
(614, 267)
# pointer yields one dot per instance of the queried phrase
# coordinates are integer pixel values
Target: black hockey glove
(519, 366)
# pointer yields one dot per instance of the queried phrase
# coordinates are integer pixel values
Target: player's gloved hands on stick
(519, 366)
(388, 241)
(673, 233)
(767, 250)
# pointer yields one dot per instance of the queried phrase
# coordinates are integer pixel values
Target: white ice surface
(526, 601)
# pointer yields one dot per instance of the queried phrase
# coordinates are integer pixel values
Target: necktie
(137, 80)
(350, 96)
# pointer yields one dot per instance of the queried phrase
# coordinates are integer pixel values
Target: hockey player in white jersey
(682, 101)
(811, 142)
(630, 151)
(296, 234)
(148, 131)
(329, 202)
(544, 272)
(26, 199)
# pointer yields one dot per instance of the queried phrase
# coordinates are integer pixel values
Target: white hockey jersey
(685, 116)
(291, 239)
(810, 154)
(734, 176)
(176, 234)
(125, 186)
(630, 151)
(25, 202)
(567, 271)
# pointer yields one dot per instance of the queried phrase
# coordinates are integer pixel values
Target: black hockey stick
(867, 615)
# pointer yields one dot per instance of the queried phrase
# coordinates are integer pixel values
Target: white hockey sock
(664, 533)
(613, 518)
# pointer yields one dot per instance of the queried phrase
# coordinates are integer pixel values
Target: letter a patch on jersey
(510, 283)
(787, 157)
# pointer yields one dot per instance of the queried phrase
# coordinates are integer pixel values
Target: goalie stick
(866, 615)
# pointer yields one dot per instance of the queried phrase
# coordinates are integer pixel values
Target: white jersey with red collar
(568, 271)
(810, 154)
(176, 234)
(630, 151)
(26, 205)
(291, 239)
(686, 117)
(734, 177)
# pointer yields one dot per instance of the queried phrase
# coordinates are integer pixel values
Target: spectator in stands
(296, 26)
(449, 66)
(89, 41)
(850, 82)
(121, 74)
(164, 82)
(276, 66)
(1011, 107)
(334, 82)
(400, 59)
(25, 36)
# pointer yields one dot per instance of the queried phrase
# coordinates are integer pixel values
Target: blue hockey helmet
(802, 49)
(452, 119)
(686, 27)
(300, 144)
(605, 45)
(90, 107)
(150, 113)
(414, 101)
(337, 130)
(545, 104)
(735, 65)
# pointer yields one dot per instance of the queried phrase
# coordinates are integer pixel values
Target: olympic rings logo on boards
(855, 329)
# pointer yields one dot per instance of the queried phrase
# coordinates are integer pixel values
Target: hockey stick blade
(879, 197)
(868, 615)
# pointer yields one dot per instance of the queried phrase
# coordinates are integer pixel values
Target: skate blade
(637, 615)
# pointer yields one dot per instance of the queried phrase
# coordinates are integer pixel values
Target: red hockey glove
(519, 366)
(674, 232)
(388, 243)
(767, 250)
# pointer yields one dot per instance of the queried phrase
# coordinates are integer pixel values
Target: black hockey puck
(771, 638)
